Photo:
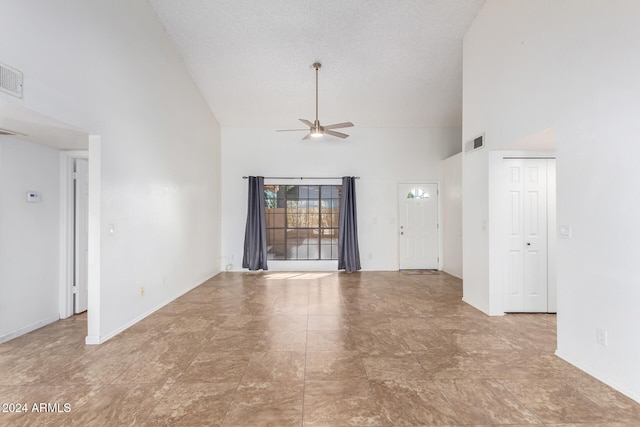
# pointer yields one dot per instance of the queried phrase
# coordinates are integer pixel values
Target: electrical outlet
(601, 336)
(141, 291)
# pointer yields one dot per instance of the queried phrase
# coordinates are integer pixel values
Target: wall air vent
(10, 80)
(474, 144)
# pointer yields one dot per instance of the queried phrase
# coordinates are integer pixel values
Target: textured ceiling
(385, 63)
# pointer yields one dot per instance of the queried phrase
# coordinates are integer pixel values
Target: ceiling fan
(315, 129)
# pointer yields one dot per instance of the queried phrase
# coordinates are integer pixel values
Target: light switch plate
(565, 231)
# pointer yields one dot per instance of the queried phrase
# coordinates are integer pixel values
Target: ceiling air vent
(474, 144)
(10, 80)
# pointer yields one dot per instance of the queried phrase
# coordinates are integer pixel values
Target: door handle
(528, 244)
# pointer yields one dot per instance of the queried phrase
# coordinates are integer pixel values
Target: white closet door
(535, 235)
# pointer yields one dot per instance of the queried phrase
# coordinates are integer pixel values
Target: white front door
(81, 235)
(526, 260)
(418, 226)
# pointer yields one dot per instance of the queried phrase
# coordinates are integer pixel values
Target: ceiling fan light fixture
(315, 129)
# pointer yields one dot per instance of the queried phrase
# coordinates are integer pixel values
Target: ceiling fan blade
(306, 122)
(334, 133)
(291, 130)
(308, 136)
(339, 125)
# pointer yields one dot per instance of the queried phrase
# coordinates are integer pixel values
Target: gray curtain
(255, 234)
(348, 252)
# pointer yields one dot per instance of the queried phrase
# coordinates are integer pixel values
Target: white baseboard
(94, 340)
(597, 375)
(456, 275)
(29, 328)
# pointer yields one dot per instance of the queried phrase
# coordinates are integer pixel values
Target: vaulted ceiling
(385, 63)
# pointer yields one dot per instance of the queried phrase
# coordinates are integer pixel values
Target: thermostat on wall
(33, 197)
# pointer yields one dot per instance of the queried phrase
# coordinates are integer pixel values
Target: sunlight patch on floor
(296, 276)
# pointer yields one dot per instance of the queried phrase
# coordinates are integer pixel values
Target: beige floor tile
(331, 340)
(282, 340)
(39, 369)
(245, 323)
(314, 349)
(266, 404)
(287, 322)
(215, 367)
(558, 401)
(413, 322)
(96, 368)
(485, 402)
(334, 366)
(471, 341)
(235, 340)
(275, 366)
(340, 403)
(367, 321)
(378, 342)
(524, 364)
(194, 404)
(176, 343)
(59, 402)
(450, 364)
(116, 404)
(402, 368)
(616, 405)
(413, 403)
(156, 368)
(327, 309)
(425, 339)
(327, 322)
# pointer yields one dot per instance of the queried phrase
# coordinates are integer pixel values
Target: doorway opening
(75, 263)
(71, 142)
(80, 178)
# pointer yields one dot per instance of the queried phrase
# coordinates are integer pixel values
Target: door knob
(528, 244)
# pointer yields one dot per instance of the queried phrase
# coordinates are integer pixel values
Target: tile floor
(309, 349)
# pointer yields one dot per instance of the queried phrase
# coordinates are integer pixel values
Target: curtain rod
(301, 177)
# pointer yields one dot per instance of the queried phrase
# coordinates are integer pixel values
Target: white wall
(108, 68)
(570, 66)
(451, 196)
(29, 241)
(475, 237)
(381, 157)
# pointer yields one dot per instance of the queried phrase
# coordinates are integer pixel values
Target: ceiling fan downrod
(317, 129)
